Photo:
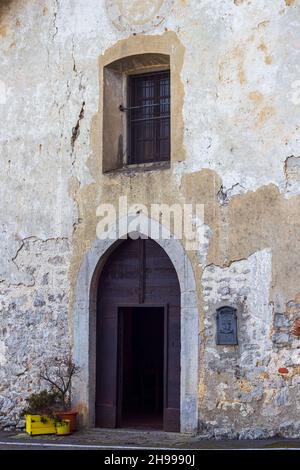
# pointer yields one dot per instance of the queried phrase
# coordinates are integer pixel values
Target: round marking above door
(138, 15)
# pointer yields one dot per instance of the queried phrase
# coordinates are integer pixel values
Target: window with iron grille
(149, 118)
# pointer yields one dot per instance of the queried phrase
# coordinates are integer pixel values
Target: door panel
(106, 380)
(172, 371)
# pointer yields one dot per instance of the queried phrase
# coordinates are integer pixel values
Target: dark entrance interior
(141, 367)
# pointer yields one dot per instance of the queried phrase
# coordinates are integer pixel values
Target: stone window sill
(139, 167)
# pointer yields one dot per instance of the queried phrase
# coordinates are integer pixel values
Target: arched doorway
(85, 314)
(138, 339)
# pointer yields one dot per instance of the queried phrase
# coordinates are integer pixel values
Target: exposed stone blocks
(33, 324)
(244, 381)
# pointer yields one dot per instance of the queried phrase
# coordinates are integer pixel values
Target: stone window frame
(141, 46)
(115, 94)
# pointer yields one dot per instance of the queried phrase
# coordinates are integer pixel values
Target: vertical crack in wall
(55, 27)
(76, 129)
(73, 56)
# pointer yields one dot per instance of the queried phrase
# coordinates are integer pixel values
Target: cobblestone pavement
(116, 439)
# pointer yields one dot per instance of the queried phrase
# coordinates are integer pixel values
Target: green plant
(41, 403)
(58, 373)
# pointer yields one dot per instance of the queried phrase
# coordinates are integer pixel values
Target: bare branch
(58, 372)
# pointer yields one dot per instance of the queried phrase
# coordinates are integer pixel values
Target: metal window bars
(148, 117)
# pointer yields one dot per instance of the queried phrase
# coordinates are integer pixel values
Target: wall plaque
(138, 15)
(226, 326)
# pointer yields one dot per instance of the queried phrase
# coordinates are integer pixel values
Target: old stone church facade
(172, 102)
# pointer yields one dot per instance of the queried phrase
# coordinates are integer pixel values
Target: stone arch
(84, 320)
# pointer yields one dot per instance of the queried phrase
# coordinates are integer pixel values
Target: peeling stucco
(292, 175)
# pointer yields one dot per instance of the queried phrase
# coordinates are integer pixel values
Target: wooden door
(138, 272)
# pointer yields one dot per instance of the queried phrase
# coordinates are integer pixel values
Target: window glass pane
(149, 117)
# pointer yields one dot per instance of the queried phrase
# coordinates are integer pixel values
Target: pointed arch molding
(84, 321)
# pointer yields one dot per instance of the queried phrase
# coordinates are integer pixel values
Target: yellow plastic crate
(38, 424)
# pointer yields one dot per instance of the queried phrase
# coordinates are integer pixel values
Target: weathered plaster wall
(237, 150)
